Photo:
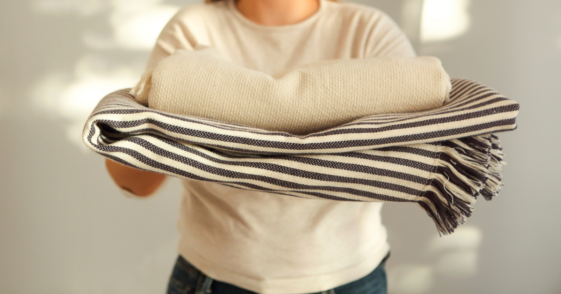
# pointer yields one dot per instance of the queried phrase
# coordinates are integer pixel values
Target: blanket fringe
(466, 168)
(142, 89)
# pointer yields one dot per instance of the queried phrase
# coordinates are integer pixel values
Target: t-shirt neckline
(232, 7)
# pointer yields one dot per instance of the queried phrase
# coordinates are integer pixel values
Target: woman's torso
(265, 242)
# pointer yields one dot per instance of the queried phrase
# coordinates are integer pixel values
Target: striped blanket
(442, 159)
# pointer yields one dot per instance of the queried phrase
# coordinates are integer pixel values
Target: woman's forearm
(139, 182)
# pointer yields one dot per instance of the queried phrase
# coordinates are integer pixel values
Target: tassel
(142, 89)
(493, 184)
(466, 168)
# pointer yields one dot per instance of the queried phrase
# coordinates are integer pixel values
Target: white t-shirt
(265, 242)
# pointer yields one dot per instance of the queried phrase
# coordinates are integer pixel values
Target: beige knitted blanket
(299, 100)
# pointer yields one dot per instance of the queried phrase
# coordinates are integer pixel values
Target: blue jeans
(186, 279)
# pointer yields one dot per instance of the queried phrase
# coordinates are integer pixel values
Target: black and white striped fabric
(441, 159)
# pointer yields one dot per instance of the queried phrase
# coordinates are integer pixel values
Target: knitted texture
(442, 159)
(300, 100)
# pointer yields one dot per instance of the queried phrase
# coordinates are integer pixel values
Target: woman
(238, 241)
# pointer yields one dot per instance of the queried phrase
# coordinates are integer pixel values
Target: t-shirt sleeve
(387, 39)
(175, 35)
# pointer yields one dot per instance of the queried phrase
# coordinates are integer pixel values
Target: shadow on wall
(454, 257)
(132, 28)
(72, 96)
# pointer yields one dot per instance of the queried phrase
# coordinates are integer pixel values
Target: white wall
(515, 47)
(65, 228)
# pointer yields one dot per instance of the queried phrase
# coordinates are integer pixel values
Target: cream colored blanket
(299, 100)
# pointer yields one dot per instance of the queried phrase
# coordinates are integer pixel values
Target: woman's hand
(139, 182)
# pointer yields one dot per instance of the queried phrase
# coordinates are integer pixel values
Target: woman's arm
(139, 182)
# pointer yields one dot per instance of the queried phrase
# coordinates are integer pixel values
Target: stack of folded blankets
(373, 129)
